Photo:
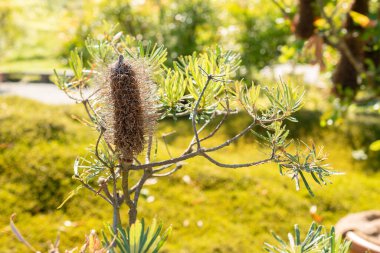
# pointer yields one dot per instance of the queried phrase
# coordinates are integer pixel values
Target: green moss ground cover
(217, 210)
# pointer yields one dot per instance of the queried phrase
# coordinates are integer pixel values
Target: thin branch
(95, 191)
(193, 142)
(116, 202)
(195, 111)
(188, 154)
(162, 168)
(166, 144)
(221, 80)
(133, 188)
(19, 235)
(136, 160)
(114, 183)
(235, 166)
(98, 119)
(187, 113)
(236, 137)
(102, 130)
(113, 174)
(85, 104)
(165, 162)
(125, 183)
(149, 149)
(204, 72)
(93, 94)
(140, 185)
(216, 129)
(281, 8)
(65, 90)
(178, 167)
(104, 187)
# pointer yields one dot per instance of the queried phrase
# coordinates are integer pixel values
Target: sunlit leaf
(70, 195)
(360, 19)
(375, 146)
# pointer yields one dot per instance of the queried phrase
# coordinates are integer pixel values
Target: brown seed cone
(304, 23)
(129, 103)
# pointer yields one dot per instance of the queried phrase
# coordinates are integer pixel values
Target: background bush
(216, 211)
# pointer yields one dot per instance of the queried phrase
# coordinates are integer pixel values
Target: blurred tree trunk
(372, 58)
(346, 75)
(304, 20)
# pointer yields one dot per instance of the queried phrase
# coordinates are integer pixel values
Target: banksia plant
(127, 81)
(129, 106)
(317, 240)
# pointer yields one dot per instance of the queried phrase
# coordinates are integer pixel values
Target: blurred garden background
(210, 209)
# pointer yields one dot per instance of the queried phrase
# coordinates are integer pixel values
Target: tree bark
(304, 20)
(346, 75)
(116, 218)
(132, 215)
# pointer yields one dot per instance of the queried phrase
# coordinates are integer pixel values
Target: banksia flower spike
(130, 103)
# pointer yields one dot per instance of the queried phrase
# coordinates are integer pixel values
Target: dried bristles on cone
(130, 102)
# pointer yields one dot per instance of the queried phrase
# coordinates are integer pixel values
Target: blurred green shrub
(11, 28)
(250, 227)
(46, 141)
(185, 26)
(259, 32)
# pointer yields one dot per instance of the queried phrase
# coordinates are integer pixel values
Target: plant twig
(178, 167)
(233, 139)
(195, 111)
(235, 166)
(95, 191)
(149, 149)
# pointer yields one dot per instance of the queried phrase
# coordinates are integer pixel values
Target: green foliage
(36, 164)
(316, 241)
(10, 27)
(134, 239)
(375, 146)
(188, 26)
(255, 27)
(137, 238)
(312, 162)
(155, 54)
(201, 82)
(56, 28)
(173, 91)
(284, 100)
(41, 172)
(178, 25)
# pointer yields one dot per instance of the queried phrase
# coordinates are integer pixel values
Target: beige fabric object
(364, 224)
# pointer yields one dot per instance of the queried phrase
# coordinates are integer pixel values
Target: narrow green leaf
(306, 184)
(71, 194)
